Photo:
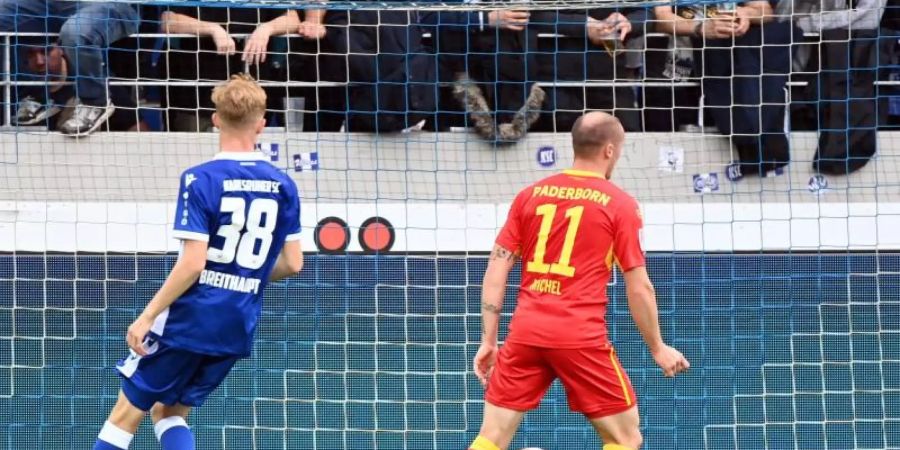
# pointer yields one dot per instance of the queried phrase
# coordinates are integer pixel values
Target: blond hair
(240, 102)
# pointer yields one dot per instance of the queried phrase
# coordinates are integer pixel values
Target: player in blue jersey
(238, 219)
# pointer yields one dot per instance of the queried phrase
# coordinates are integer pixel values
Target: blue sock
(173, 434)
(112, 437)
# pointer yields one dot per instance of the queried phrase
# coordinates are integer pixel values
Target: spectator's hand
(257, 45)
(311, 30)
(619, 25)
(224, 42)
(671, 361)
(509, 19)
(719, 27)
(614, 27)
(137, 332)
(742, 17)
(484, 362)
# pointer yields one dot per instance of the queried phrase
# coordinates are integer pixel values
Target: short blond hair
(240, 102)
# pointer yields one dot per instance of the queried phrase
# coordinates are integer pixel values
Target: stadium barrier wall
(441, 191)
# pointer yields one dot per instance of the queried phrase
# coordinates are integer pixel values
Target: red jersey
(569, 229)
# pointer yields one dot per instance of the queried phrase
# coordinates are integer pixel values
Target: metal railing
(8, 81)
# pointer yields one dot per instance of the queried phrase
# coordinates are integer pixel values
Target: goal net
(409, 128)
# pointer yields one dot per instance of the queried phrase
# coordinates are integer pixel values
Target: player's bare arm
(500, 263)
(184, 274)
(642, 303)
(290, 261)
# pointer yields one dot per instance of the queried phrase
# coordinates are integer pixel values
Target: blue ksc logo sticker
(705, 183)
(817, 184)
(546, 156)
(269, 149)
(306, 161)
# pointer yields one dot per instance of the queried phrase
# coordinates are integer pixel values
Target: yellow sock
(615, 447)
(482, 443)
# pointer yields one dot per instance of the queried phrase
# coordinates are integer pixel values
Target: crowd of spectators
(77, 67)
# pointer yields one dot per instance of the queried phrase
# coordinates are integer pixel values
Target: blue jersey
(246, 209)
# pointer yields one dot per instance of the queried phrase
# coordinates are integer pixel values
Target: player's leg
(619, 431)
(598, 387)
(170, 426)
(169, 421)
(119, 429)
(498, 427)
(519, 381)
(146, 380)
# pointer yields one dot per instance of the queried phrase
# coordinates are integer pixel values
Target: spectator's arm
(282, 25)
(176, 23)
(313, 24)
(638, 17)
(866, 15)
(670, 23)
(508, 19)
(712, 28)
(314, 16)
(257, 45)
(615, 26)
(758, 12)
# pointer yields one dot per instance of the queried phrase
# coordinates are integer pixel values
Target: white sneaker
(32, 112)
(86, 119)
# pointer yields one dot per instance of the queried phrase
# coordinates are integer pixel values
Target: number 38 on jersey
(248, 238)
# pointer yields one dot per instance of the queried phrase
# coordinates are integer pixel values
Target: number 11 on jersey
(547, 212)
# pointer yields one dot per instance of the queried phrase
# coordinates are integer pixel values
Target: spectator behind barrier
(390, 70)
(497, 83)
(86, 31)
(743, 59)
(591, 47)
(844, 92)
(63, 109)
(214, 55)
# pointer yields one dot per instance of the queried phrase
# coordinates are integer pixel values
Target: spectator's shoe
(86, 119)
(470, 97)
(414, 128)
(32, 112)
(525, 117)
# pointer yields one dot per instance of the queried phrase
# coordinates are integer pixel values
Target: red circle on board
(376, 235)
(332, 235)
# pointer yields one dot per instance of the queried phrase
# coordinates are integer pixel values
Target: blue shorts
(170, 376)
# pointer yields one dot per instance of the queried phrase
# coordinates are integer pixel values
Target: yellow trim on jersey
(583, 173)
(616, 447)
(615, 363)
(610, 257)
(482, 443)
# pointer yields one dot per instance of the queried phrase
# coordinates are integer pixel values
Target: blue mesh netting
(360, 352)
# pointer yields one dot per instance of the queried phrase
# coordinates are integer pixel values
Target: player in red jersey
(569, 229)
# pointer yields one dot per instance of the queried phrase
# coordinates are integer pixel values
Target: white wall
(445, 192)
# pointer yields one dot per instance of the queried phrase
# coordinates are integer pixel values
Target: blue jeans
(85, 29)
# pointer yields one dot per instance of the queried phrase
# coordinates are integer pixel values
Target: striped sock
(174, 434)
(112, 437)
